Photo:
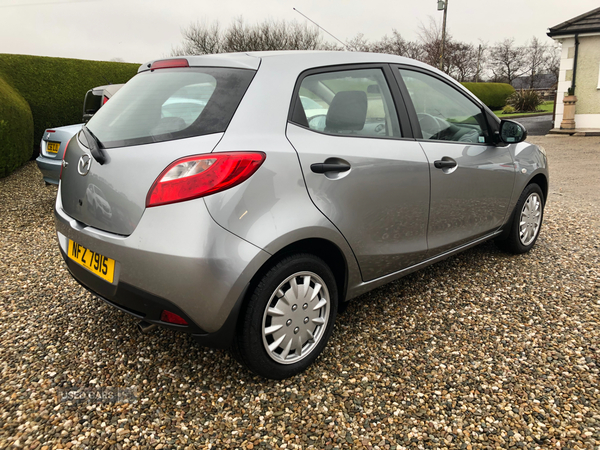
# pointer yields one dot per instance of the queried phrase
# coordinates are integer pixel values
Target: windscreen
(166, 104)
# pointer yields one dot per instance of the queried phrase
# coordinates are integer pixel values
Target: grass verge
(546, 107)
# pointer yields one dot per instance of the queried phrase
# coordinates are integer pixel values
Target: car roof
(300, 59)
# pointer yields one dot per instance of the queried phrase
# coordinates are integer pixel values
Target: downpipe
(146, 327)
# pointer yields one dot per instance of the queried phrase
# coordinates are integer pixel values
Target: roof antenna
(105, 79)
(345, 45)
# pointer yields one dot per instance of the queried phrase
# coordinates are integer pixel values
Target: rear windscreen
(166, 104)
(92, 103)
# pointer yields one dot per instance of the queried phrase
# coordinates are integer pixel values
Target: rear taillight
(169, 317)
(64, 156)
(104, 100)
(201, 175)
(48, 137)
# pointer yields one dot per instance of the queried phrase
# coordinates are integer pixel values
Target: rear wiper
(95, 146)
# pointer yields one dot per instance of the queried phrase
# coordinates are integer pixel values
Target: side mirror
(512, 132)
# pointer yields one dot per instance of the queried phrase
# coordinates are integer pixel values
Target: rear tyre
(525, 223)
(288, 320)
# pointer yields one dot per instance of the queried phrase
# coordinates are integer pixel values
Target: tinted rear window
(92, 103)
(167, 104)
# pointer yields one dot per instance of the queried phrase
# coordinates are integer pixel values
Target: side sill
(369, 285)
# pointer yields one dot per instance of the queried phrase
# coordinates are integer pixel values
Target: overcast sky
(142, 30)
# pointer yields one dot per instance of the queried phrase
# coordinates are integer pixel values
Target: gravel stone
(482, 351)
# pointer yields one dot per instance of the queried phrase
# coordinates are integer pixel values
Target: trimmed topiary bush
(55, 87)
(493, 95)
(525, 101)
(16, 129)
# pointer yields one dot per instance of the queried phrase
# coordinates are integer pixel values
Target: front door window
(444, 113)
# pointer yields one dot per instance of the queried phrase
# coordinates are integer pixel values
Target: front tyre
(289, 318)
(526, 221)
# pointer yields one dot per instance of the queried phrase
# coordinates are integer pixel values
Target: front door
(471, 179)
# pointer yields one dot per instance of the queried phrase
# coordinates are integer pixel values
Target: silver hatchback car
(244, 198)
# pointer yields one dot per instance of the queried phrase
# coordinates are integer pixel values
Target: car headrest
(347, 111)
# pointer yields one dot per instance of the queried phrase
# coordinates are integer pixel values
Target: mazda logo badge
(84, 164)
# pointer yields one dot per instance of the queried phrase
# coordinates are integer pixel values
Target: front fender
(530, 162)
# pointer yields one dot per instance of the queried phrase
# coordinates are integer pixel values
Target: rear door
(362, 167)
(471, 178)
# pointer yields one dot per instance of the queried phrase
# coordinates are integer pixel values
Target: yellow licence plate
(53, 147)
(96, 263)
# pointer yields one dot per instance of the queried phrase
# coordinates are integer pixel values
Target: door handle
(329, 167)
(444, 164)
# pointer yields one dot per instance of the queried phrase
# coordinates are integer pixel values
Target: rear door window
(354, 102)
(166, 104)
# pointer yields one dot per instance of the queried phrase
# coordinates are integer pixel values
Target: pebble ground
(482, 351)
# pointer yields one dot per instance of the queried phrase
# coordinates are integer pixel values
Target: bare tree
(552, 64)
(397, 45)
(461, 60)
(359, 44)
(507, 61)
(201, 38)
(431, 42)
(536, 55)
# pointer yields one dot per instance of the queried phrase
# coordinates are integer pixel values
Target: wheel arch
(330, 253)
(541, 180)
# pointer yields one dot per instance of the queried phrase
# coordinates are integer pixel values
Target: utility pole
(443, 4)
(478, 63)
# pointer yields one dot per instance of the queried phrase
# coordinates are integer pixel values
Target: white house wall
(587, 86)
(566, 64)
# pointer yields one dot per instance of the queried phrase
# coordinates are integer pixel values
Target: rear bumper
(177, 259)
(50, 168)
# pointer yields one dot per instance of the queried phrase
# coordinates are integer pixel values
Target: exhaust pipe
(146, 327)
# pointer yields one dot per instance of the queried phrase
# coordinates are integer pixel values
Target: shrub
(493, 95)
(525, 101)
(55, 87)
(508, 110)
(16, 129)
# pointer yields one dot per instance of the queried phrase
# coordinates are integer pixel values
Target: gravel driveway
(483, 350)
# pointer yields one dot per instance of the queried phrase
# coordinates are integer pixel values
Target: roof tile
(585, 23)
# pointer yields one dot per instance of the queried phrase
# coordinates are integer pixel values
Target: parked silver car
(54, 140)
(249, 226)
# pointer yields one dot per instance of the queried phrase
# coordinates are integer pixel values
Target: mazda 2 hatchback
(243, 198)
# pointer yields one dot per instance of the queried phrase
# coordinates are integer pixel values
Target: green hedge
(54, 88)
(16, 129)
(494, 95)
